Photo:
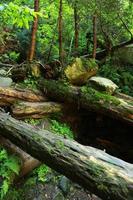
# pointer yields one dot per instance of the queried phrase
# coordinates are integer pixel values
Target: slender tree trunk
(60, 31)
(94, 35)
(76, 21)
(34, 31)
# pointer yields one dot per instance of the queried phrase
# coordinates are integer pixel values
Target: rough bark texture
(39, 109)
(34, 31)
(106, 176)
(9, 96)
(90, 99)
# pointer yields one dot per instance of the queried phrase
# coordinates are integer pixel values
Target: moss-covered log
(10, 95)
(35, 109)
(90, 99)
(106, 176)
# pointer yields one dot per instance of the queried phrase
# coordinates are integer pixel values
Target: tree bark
(35, 110)
(104, 175)
(61, 31)
(9, 96)
(34, 31)
(90, 99)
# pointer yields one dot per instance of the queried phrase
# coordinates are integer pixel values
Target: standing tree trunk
(76, 21)
(94, 35)
(60, 31)
(34, 31)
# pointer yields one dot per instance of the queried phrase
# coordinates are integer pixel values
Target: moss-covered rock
(80, 70)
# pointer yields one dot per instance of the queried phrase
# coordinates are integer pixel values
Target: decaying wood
(90, 99)
(39, 109)
(28, 163)
(104, 175)
(9, 96)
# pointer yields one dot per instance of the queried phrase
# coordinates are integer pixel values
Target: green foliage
(17, 15)
(30, 83)
(9, 165)
(10, 57)
(33, 122)
(122, 77)
(41, 172)
(14, 56)
(62, 129)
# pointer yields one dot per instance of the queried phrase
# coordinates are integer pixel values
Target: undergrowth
(119, 75)
(30, 83)
(37, 176)
(61, 129)
(9, 166)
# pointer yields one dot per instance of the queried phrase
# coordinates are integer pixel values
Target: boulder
(3, 72)
(125, 55)
(80, 70)
(103, 84)
(5, 82)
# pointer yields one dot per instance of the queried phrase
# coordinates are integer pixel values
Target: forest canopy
(114, 25)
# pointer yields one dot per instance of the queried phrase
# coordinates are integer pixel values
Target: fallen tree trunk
(28, 163)
(103, 53)
(36, 110)
(90, 99)
(102, 174)
(9, 96)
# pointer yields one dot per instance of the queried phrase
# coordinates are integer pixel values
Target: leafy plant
(41, 172)
(30, 83)
(9, 165)
(61, 129)
(14, 55)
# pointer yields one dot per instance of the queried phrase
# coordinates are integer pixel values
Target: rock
(64, 185)
(80, 70)
(125, 55)
(3, 72)
(103, 84)
(5, 82)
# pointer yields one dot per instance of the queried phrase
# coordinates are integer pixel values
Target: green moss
(60, 145)
(89, 63)
(96, 96)
(104, 179)
(37, 138)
